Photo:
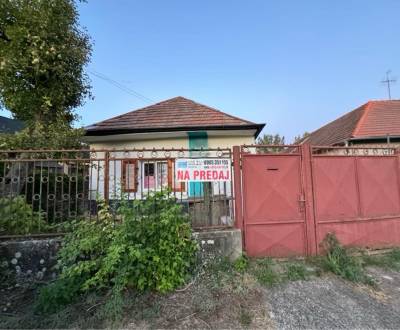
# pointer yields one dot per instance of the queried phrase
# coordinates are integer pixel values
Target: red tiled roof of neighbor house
(176, 114)
(374, 119)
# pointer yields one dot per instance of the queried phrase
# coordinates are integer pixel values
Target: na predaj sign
(203, 170)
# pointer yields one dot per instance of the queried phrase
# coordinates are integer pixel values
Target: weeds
(296, 272)
(245, 318)
(241, 264)
(269, 274)
(338, 261)
(389, 260)
(263, 270)
(225, 288)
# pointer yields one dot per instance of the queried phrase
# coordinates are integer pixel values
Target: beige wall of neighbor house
(363, 149)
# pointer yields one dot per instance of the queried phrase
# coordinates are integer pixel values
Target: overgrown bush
(18, 218)
(150, 248)
(338, 261)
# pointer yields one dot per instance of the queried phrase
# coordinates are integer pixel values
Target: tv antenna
(388, 81)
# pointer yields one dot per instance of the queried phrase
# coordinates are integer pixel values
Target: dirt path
(329, 302)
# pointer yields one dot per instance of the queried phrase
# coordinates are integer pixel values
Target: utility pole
(388, 81)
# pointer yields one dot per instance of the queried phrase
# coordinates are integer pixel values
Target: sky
(294, 65)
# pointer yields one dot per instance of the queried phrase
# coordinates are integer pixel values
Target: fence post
(106, 176)
(397, 154)
(237, 180)
(309, 200)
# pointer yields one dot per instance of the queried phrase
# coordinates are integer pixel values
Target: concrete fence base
(222, 242)
(34, 259)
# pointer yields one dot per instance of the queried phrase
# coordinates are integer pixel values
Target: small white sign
(203, 169)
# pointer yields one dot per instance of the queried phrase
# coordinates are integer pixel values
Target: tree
(300, 138)
(271, 139)
(56, 135)
(43, 52)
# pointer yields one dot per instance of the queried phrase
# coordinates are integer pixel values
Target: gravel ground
(389, 284)
(329, 302)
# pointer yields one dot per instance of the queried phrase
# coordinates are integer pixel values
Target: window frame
(125, 162)
(142, 176)
(139, 163)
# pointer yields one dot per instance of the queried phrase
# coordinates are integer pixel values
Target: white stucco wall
(176, 143)
(115, 170)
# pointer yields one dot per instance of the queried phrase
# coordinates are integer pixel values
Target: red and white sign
(203, 170)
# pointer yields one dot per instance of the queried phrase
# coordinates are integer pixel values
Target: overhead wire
(120, 86)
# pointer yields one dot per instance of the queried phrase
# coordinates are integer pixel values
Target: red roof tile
(175, 113)
(376, 119)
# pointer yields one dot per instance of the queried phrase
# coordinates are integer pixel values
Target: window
(155, 175)
(129, 175)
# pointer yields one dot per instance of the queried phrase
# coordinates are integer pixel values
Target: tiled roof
(173, 114)
(8, 125)
(376, 119)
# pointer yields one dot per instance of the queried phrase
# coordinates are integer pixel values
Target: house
(8, 125)
(178, 123)
(148, 141)
(374, 124)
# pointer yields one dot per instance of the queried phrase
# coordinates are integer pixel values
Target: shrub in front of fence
(151, 248)
(18, 218)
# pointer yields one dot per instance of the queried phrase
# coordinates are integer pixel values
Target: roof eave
(102, 132)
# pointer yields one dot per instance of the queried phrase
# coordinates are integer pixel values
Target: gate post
(237, 181)
(309, 200)
(397, 154)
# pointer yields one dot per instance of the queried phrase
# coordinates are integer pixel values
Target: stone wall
(30, 260)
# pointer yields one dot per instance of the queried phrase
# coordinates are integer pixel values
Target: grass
(296, 272)
(338, 260)
(264, 271)
(219, 296)
(390, 260)
(269, 272)
(245, 318)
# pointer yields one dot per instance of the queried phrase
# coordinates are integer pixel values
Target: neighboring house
(374, 124)
(177, 123)
(8, 125)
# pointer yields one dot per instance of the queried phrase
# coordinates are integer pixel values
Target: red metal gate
(287, 198)
(357, 195)
(273, 202)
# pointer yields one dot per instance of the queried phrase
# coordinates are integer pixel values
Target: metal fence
(60, 185)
